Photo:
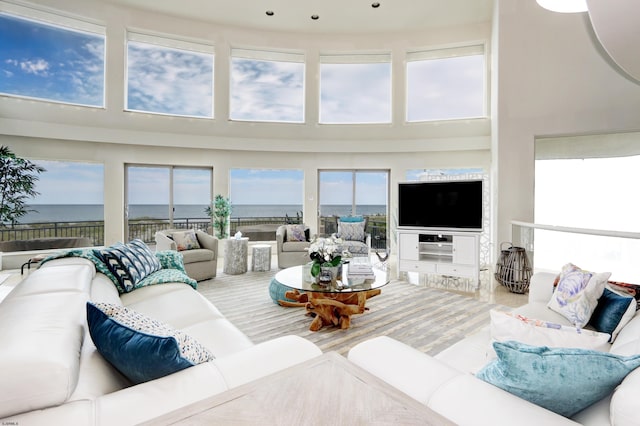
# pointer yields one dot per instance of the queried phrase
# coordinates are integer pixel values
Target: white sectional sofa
(52, 374)
(447, 383)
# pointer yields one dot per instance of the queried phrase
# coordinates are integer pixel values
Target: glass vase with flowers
(326, 259)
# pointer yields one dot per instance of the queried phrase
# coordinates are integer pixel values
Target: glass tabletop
(299, 278)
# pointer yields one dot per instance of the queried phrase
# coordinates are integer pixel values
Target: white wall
(551, 81)
(43, 130)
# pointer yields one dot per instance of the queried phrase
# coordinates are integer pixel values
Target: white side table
(235, 256)
(261, 257)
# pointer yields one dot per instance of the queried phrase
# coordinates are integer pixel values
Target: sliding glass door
(351, 193)
(160, 197)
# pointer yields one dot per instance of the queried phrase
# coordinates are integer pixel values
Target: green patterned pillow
(166, 276)
(171, 259)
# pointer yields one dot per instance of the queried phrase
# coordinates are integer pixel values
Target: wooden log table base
(330, 308)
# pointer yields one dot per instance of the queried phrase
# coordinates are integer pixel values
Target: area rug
(425, 318)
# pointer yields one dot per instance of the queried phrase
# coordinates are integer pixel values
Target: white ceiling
(335, 16)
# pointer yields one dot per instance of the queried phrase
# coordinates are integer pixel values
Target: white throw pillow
(577, 293)
(507, 326)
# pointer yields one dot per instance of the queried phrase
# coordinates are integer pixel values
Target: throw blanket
(172, 268)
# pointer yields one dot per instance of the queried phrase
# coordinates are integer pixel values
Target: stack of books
(360, 267)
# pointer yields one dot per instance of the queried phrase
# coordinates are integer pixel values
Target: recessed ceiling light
(315, 17)
(375, 5)
(270, 13)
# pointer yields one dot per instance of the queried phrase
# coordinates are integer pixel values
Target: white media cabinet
(448, 253)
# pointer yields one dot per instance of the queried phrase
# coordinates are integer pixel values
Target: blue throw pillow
(129, 263)
(563, 380)
(141, 348)
(352, 219)
(610, 311)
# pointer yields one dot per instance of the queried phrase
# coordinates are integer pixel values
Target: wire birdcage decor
(513, 269)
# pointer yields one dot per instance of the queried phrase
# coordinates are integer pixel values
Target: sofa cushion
(563, 380)
(356, 248)
(577, 293)
(41, 337)
(197, 255)
(295, 246)
(130, 263)
(141, 348)
(185, 240)
(296, 233)
(613, 312)
(624, 402)
(628, 340)
(507, 326)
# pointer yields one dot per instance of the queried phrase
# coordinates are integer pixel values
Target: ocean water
(91, 212)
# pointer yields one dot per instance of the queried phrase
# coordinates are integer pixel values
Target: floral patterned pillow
(577, 294)
(296, 233)
(186, 240)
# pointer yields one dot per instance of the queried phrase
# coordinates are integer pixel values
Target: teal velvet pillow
(352, 219)
(609, 315)
(141, 348)
(563, 380)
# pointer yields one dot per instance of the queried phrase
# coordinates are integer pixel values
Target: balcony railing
(376, 226)
(94, 230)
(145, 229)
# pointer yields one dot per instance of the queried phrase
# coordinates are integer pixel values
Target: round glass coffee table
(333, 304)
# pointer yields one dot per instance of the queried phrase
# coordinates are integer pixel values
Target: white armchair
(291, 252)
(354, 238)
(200, 263)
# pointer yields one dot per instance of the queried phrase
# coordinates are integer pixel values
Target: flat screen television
(442, 205)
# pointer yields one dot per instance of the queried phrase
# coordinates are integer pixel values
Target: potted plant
(17, 184)
(220, 212)
(326, 259)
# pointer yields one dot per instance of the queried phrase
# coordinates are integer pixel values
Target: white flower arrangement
(325, 252)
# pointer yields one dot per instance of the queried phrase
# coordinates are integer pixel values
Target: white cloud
(267, 90)
(169, 81)
(37, 67)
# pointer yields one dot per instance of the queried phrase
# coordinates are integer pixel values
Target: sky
(63, 65)
(46, 62)
(169, 81)
(267, 90)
